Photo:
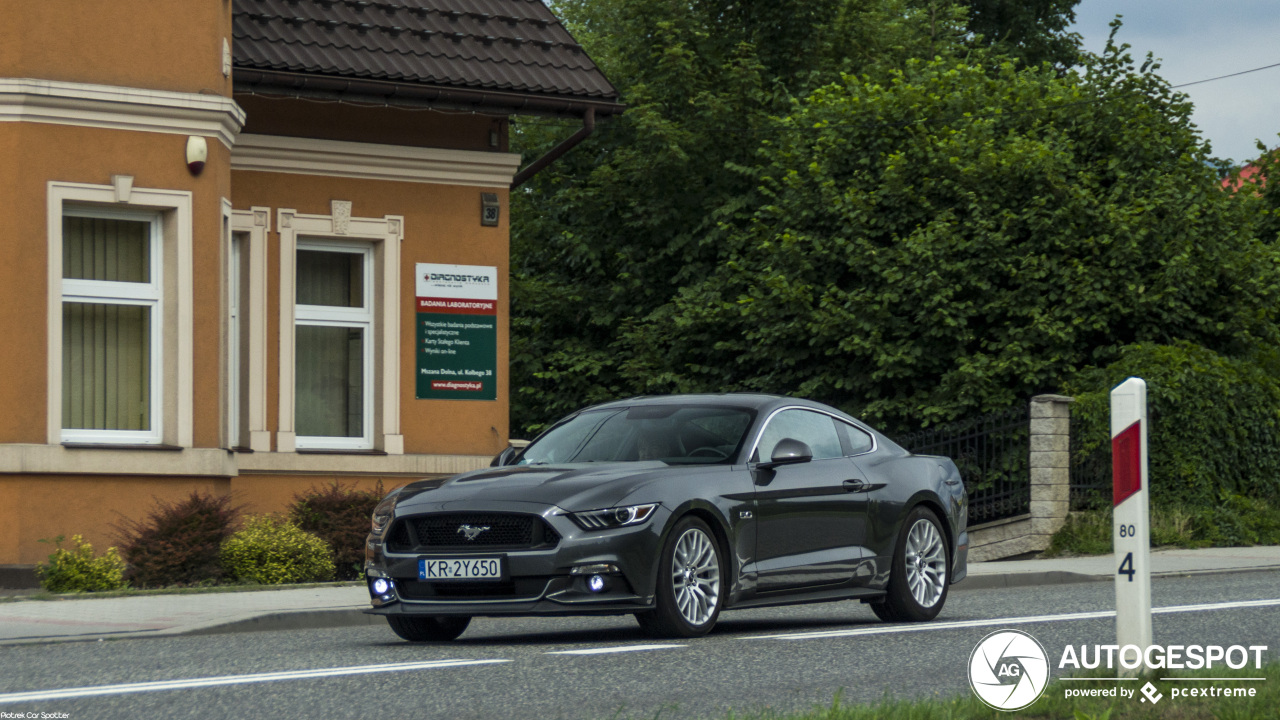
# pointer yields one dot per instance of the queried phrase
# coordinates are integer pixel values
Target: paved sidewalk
(41, 621)
(183, 614)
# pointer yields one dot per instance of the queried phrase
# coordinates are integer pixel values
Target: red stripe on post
(1126, 463)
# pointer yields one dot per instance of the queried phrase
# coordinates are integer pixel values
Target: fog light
(381, 586)
(595, 583)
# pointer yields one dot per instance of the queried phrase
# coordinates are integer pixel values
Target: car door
(809, 525)
(869, 493)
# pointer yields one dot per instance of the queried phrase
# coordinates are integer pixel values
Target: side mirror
(506, 457)
(788, 451)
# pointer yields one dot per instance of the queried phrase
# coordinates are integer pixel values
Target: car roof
(753, 401)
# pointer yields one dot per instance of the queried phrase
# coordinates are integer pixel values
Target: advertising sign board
(456, 332)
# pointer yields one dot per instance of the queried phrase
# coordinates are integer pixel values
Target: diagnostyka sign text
(457, 332)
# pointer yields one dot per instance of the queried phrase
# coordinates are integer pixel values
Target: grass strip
(1053, 705)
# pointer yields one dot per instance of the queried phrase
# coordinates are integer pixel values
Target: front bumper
(536, 582)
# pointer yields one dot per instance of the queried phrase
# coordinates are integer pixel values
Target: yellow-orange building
(255, 326)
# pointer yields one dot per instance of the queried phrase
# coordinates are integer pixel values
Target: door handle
(855, 486)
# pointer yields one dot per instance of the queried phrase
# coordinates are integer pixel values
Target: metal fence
(1090, 470)
(993, 454)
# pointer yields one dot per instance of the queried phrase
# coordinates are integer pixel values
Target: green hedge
(1215, 421)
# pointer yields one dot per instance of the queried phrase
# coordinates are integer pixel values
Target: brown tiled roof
(490, 52)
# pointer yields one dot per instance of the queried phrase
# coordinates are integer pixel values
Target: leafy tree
(1034, 30)
(901, 223)
(608, 233)
(955, 239)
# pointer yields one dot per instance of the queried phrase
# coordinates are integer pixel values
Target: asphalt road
(779, 658)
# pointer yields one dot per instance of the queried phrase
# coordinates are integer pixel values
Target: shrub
(338, 515)
(271, 550)
(79, 571)
(1215, 421)
(178, 543)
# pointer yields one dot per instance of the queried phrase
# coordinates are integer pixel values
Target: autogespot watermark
(1009, 670)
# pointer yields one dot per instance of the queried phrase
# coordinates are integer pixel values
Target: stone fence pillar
(1050, 465)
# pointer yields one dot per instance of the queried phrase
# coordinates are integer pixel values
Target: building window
(333, 324)
(340, 345)
(120, 352)
(111, 322)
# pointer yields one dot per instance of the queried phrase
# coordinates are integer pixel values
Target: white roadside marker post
(1131, 518)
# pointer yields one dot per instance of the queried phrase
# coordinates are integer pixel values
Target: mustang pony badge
(470, 532)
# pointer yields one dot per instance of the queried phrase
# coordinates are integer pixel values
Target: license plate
(471, 568)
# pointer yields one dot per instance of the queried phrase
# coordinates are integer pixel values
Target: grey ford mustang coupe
(673, 509)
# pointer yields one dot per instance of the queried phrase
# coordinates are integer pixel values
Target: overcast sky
(1198, 39)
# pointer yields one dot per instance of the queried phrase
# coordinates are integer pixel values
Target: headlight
(613, 517)
(382, 514)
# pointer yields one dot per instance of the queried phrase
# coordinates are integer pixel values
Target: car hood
(569, 487)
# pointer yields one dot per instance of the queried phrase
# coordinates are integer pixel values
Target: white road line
(616, 649)
(926, 627)
(67, 693)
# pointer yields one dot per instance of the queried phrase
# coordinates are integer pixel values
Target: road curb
(1025, 579)
(292, 620)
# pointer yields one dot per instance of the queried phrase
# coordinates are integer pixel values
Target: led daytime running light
(614, 517)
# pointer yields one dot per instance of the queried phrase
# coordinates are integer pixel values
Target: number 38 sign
(1131, 524)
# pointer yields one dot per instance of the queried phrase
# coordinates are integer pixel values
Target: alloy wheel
(695, 576)
(926, 560)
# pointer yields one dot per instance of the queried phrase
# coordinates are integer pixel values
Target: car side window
(856, 440)
(816, 430)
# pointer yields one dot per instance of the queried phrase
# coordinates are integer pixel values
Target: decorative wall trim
(56, 459)
(214, 462)
(371, 161)
(255, 222)
(333, 464)
(120, 108)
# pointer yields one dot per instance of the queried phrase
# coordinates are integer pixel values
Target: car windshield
(676, 435)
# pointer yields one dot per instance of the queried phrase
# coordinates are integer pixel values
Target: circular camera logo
(1008, 670)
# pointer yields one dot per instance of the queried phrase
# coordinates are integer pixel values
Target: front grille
(513, 589)
(449, 531)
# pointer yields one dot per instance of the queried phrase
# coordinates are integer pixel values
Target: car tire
(921, 571)
(426, 629)
(691, 590)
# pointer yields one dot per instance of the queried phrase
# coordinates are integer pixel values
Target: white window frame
(383, 237)
(172, 343)
(132, 294)
(356, 318)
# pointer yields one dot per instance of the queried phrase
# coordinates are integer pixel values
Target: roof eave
(309, 85)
